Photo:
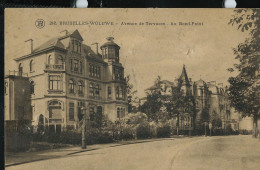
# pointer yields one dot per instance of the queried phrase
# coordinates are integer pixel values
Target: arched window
(20, 69)
(49, 59)
(71, 86)
(55, 109)
(59, 60)
(80, 87)
(31, 66)
(32, 87)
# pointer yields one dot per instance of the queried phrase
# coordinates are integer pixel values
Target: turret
(110, 51)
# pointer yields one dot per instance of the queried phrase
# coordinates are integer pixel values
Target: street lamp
(83, 144)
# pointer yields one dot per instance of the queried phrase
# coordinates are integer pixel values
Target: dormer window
(76, 46)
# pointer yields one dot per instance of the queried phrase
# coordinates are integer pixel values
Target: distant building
(17, 98)
(65, 75)
(206, 95)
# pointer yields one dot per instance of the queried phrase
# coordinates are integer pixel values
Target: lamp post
(210, 127)
(83, 144)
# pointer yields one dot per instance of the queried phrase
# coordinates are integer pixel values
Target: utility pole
(83, 144)
(31, 44)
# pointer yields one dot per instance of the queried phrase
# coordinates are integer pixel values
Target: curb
(86, 150)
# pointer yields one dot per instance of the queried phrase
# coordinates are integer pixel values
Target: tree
(205, 117)
(153, 102)
(244, 90)
(131, 96)
(152, 106)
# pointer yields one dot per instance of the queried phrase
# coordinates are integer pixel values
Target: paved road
(232, 152)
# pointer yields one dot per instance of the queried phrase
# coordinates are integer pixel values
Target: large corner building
(65, 76)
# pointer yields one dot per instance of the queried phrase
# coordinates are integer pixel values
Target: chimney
(66, 32)
(96, 47)
(31, 44)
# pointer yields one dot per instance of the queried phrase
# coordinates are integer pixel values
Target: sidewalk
(12, 159)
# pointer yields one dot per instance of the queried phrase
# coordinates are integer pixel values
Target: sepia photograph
(133, 89)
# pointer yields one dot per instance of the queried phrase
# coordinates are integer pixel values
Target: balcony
(54, 67)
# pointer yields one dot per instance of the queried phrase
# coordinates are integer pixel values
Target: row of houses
(208, 95)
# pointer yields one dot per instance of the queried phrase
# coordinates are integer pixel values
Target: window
(80, 113)
(80, 88)
(20, 68)
(94, 71)
(55, 109)
(117, 92)
(109, 92)
(91, 113)
(80, 67)
(98, 72)
(55, 82)
(71, 64)
(32, 87)
(97, 90)
(117, 55)
(73, 45)
(121, 92)
(76, 65)
(76, 43)
(71, 86)
(120, 112)
(76, 46)
(31, 66)
(91, 89)
(71, 111)
(49, 59)
(59, 60)
(118, 74)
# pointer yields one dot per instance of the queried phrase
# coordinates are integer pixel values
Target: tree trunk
(205, 129)
(178, 125)
(255, 126)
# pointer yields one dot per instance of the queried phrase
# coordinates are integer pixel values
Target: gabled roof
(76, 35)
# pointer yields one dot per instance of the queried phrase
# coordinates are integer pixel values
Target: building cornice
(39, 52)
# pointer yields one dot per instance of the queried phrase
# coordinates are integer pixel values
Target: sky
(146, 50)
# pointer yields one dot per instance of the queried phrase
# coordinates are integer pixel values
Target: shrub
(70, 137)
(163, 131)
(245, 132)
(143, 131)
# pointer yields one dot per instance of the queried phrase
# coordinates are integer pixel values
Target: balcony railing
(55, 67)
